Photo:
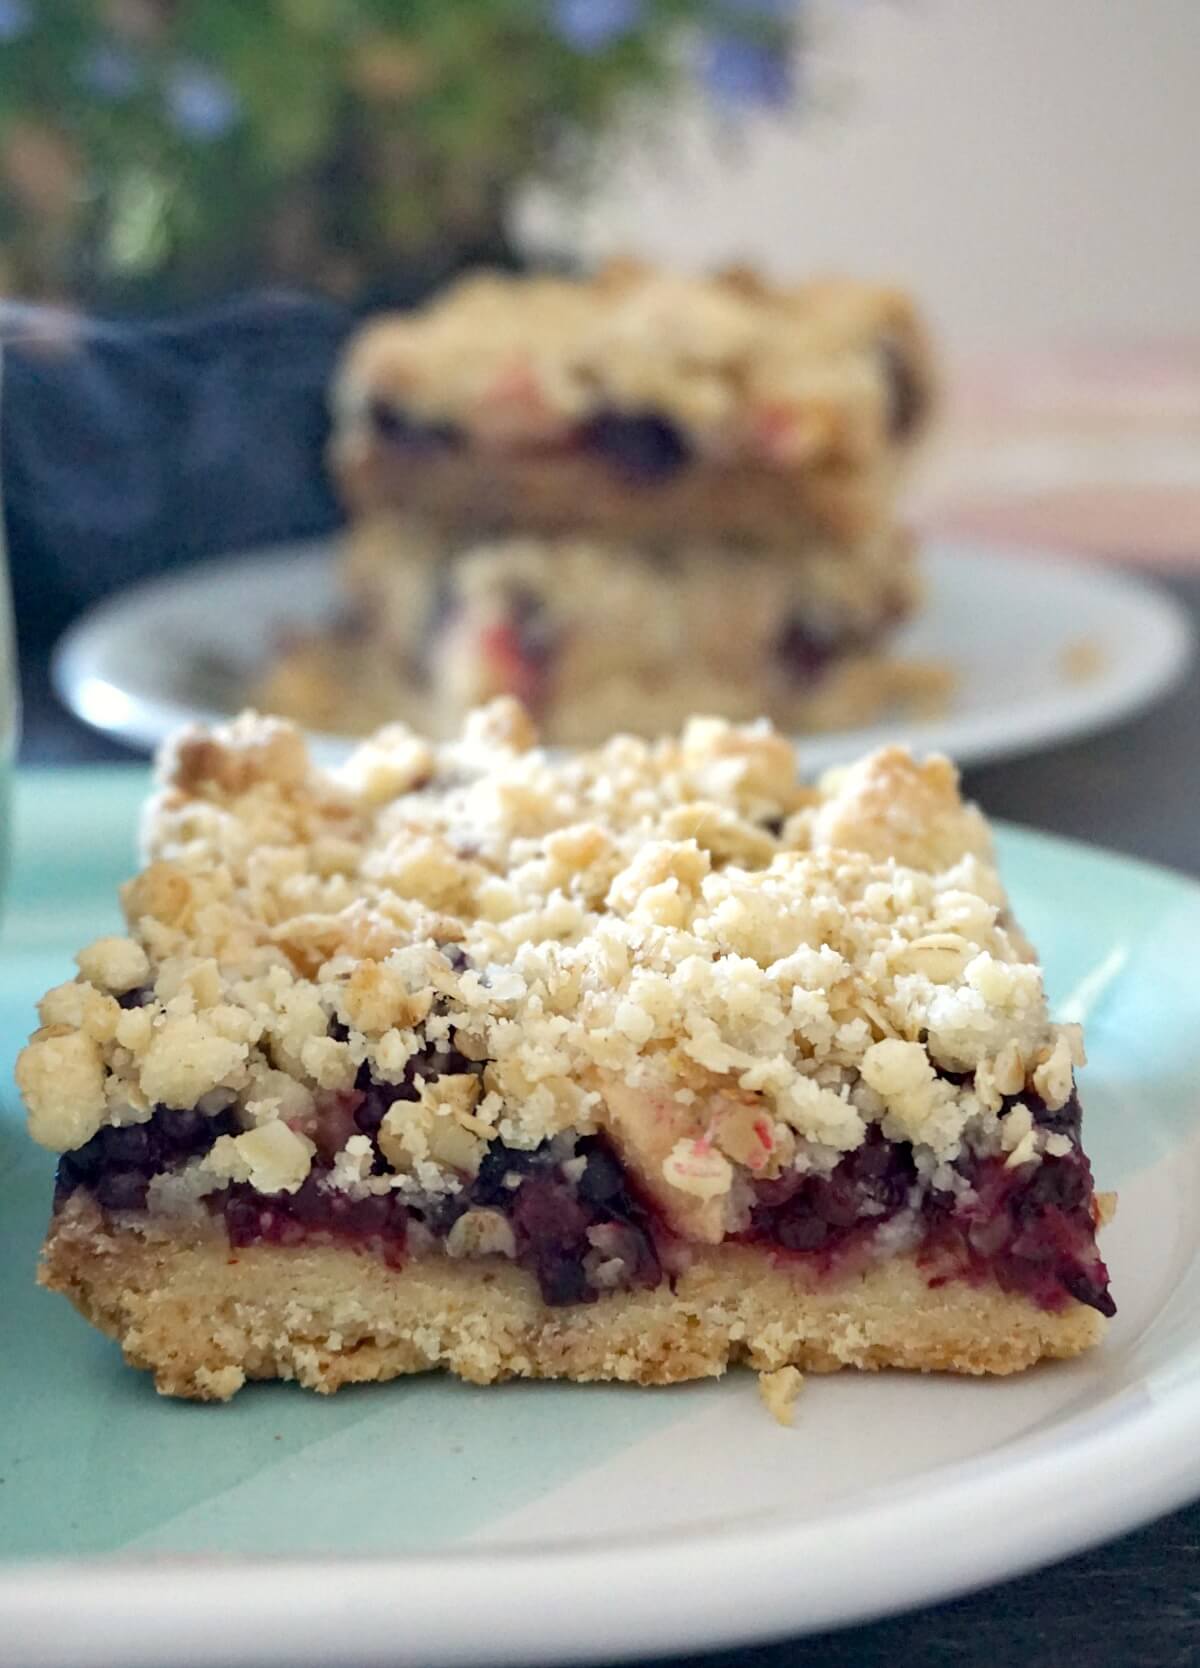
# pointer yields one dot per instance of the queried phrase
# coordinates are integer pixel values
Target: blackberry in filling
(579, 1226)
(828, 1213)
(643, 447)
(251, 1218)
(576, 1223)
(1031, 1227)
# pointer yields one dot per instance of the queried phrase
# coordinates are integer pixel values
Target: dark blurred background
(197, 200)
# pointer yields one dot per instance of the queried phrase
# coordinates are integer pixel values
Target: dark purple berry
(186, 1131)
(399, 429)
(907, 400)
(643, 447)
(87, 1161)
(802, 1230)
(500, 1162)
(561, 1277)
(122, 1189)
(309, 1204)
(1065, 1121)
(1087, 1288)
(603, 1179)
(1057, 1182)
(803, 653)
(837, 1201)
(133, 1146)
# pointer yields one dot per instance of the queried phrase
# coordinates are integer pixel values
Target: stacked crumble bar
(624, 501)
(624, 1065)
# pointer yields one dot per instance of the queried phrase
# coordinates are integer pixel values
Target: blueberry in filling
(907, 400)
(806, 649)
(394, 426)
(135, 998)
(804, 654)
(1030, 1227)
(117, 1164)
(643, 447)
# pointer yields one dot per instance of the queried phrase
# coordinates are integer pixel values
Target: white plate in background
(1044, 648)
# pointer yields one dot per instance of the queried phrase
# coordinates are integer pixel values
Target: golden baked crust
(204, 1319)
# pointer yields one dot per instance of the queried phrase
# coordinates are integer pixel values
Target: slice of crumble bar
(596, 638)
(623, 499)
(638, 404)
(627, 1065)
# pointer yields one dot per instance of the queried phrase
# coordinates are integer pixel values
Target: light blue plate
(542, 1521)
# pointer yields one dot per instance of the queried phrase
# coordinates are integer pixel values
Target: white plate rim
(1160, 625)
(554, 1605)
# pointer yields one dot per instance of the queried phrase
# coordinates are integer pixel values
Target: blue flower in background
(591, 25)
(16, 16)
(111, 71)
(741, 71)
(202, 104)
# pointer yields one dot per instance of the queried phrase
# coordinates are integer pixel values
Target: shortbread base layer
(484, 491)
(204, 1317)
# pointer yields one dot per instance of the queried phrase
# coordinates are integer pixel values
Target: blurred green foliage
(155, 151)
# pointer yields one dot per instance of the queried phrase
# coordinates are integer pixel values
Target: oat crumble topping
(676, 943)
(789, 376)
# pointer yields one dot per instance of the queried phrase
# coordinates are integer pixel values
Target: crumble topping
(271, 1157)
(677, 944)
(779, 1390)
(116, 964)
(790, 376)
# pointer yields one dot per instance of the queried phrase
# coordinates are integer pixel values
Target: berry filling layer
(569, 1213)
(641, 448)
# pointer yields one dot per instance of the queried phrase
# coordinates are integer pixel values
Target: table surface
(1135, 1602)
